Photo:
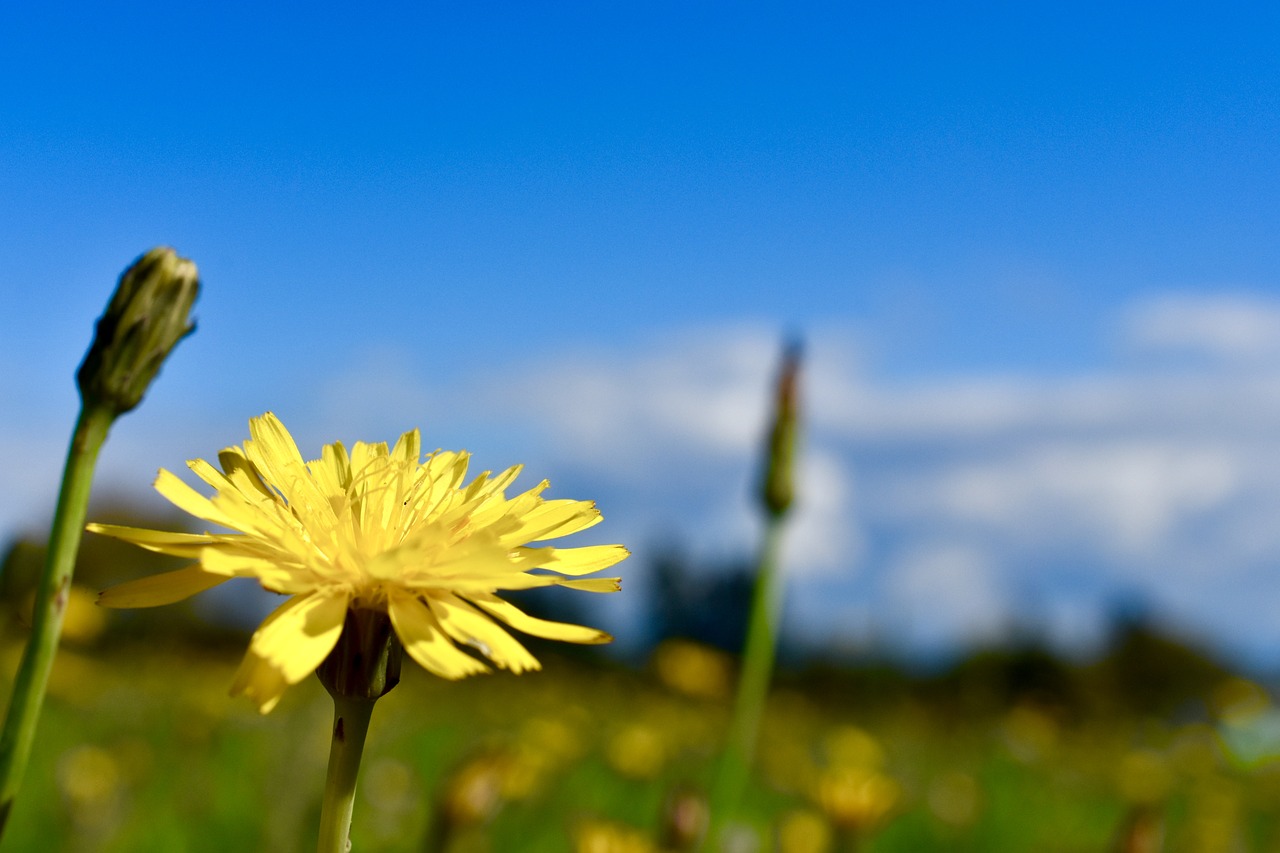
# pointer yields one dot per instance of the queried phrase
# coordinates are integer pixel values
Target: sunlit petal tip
(425, 640)
(162, 542)
(408, 449)
(585, 560)
(155, 590)
(533, 666)
(468, 626)
(260, 682)
(594, 584)
(532, 625)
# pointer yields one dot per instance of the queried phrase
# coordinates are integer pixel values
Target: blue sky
(1033, 247)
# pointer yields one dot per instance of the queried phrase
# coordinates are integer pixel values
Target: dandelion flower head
(376, 529)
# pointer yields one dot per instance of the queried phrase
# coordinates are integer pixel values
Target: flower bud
(778, 486)
(147, 316)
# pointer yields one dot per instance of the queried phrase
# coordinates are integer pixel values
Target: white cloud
(824, 537)
(1138, 480)
(941, 595)
(1119, 498)
(1235, 327)
(950, 503)
(689, 417)
(694, 394)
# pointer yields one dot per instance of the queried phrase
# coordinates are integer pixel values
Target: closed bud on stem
(365, 664)
(778, 486)
(147, 316)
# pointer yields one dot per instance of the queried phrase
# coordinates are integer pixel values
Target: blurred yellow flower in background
(91, 782)
(851, 746)
(955, 798)
(638, 751)
(1143, 777)
(374, 529)
(693, 669)
(82, 622)
(853, 791)
(804, 831)
(600, 836)
(856, 799)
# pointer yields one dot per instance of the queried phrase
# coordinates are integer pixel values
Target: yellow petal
(364, 454)
(300, 633)
(425, 641)
(444, 470)
(448, 467)
(469, 626)
(164, 588)
(428, 560)
(594, 584)
(277, 459)
(552, 520)
(160, 541)
(273, 446)
(408, 449)
(259, 681)
(189, 500)
(521, 621)
(241, 472)
(583, 561)
(212, 476)
(468, 585)
(332, 471)
(274, 573)
(483, 487)
(241, 495)
(495, 510)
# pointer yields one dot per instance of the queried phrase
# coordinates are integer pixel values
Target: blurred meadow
(1006, 749)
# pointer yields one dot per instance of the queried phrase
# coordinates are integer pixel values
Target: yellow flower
(374, 529)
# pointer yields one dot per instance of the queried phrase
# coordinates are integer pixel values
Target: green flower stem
(350, 726)
(753, 683)
(51, 602)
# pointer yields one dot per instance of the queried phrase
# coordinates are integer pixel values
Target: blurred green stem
(753, 683)
(51, 602)
(350, 726)
(146, 317)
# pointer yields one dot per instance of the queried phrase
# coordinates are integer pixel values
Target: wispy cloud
(989, 501)
(938, 512)
(1234, 327)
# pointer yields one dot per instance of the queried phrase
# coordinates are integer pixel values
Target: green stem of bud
(32, 679)
(776, 495)
(753, 684)
(145, 319)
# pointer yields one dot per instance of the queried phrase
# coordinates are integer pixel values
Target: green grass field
(140, 749)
